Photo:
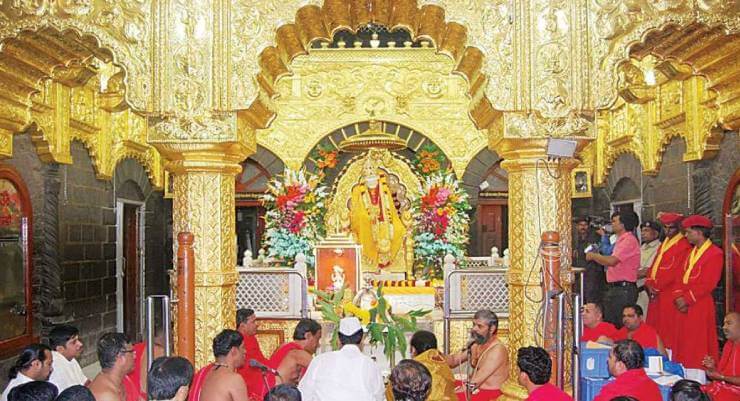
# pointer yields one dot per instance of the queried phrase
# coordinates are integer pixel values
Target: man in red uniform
(246, 325)
(625, 363)
(663, 275)
(291, 359)
(635, 329)
(535, 369)
(594, 328)
(692, 296)
(725, 377)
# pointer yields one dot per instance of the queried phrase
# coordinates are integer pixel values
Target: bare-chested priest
(219, 381)
(291, 359)
(488, 356)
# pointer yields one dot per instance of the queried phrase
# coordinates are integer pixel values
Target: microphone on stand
(253, 363)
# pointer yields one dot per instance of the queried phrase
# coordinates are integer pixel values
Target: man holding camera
(621, 267)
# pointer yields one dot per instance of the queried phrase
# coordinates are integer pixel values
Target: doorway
(249, 229)
(491, 226)
(130, 268)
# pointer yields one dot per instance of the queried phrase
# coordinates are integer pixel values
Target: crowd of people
(659, 293)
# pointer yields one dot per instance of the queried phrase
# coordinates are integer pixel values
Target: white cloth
(20, 379)
(66, 373)
(647, 254)
(342, 375)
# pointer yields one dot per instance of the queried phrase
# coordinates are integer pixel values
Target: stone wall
(74, 238)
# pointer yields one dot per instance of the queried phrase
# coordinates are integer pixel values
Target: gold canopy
(374, 137)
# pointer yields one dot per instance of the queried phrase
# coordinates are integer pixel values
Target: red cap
(670, 218)
(697, 220)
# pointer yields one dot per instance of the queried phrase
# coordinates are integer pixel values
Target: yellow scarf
(664, 247)
(696, 253)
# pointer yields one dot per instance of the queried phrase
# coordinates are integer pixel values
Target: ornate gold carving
(356, 86)
(122, 27)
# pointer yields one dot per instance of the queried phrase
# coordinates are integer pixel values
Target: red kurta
(135, 375)
(253, 376)
(645, 335)
(548, 392)
(698, 326)
(634, 383)
(479, 395)
(666, 270)
(729, 365)
(197, 384)
(602, 329)
(736, 275)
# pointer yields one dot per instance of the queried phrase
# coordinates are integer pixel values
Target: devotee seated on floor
(246, 325)
(116, 358)
(345, 374)
(594, 328)
(488, 356)
(410, 381)
(220, 381)
(34, 391)
(625, 363)
(283, 392)
(291, 359)
(688, 390)
(169, 379)
(33, 363)
(535, 369)
(725, 375)
(141, 363)
(64, 341)
(692, 296)
(423, 348)
(76, 393)
(636, 329)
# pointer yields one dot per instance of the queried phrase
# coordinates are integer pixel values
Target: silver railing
(468, 290)
(271, 292)
(166, 325)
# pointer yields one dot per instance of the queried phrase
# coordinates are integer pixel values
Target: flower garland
(295, 206)
(442, 221)
(325, 158)
(429, 160)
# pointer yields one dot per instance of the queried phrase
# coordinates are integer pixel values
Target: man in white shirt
(346, 374)
(34, 363)
(650, 233)
(66, 346)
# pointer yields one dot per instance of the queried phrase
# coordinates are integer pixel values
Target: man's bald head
(732, 326)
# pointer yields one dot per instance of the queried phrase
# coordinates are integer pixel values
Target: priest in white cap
(346, 374)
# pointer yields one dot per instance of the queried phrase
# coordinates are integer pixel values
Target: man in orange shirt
(663, 275)
(692, 296)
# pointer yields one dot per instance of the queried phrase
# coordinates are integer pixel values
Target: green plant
(331, 311)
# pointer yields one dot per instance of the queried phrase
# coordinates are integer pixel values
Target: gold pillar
(539, 201)
(203, 204)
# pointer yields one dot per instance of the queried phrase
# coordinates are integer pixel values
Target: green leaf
(338, 295)
(401, 339)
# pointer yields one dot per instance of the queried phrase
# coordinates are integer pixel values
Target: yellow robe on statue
(376, 224)
(443, 380)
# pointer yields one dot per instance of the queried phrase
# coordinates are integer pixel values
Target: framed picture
(581, 183)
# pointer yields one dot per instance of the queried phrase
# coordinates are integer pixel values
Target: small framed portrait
(169, 189)
(581, 183)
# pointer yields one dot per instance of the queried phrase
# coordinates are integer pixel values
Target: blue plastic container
(594, 363)
(590, 387)
(665, 392)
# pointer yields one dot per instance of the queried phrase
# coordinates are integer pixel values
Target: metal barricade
(270, 292)
(166, 325)
(474, 289)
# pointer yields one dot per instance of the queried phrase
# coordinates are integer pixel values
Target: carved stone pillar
(539, 201)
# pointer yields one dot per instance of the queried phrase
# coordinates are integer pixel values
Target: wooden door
(131, 271)
(491, 228)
